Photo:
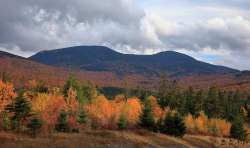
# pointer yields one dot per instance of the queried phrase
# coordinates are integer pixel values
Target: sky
(214, 31)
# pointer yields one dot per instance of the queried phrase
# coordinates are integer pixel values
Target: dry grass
(113, 139)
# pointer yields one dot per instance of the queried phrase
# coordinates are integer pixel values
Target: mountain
(99, 58)
(20, 70)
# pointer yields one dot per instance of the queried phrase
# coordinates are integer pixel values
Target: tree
(62, 122)
(7, 94)
(237, 130)
(35, 126)
(191, 102)
(70, 83)
(86, 93)
(168, 93)
(174, 125)
(212, 106)
(21, 109)
(122, 122)
(41, 87)
(82, 117)
(5, 120)
(147, 120)
(199, 100)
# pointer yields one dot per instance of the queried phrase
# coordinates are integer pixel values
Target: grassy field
(113, 139)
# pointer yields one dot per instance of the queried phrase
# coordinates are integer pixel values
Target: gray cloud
(30, 25)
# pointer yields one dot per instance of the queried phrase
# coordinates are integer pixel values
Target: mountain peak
(100, 58)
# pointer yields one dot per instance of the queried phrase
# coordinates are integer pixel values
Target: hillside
(114, 139)
(99, 58)
(21, 69)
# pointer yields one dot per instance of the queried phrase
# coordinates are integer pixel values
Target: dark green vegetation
(99, 58)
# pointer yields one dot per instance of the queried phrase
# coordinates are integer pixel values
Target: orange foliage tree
(157, 111)
(7, 94)
(134, 111)
(203, 125)
(106, 114)
(48, 107)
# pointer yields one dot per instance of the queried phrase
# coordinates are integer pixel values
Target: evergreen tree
(62, 122)
(174, 125)
(147, 120)
(35, 126)
(237, 130)
(21, 109)
(191, 102)
(211, 104)
(82, 117)
(199, 100)
(122, 123)
(168, 93)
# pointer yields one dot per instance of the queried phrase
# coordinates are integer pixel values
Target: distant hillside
(99, 58)
(21, 69)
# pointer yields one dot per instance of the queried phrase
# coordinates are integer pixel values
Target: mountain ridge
(101, 58)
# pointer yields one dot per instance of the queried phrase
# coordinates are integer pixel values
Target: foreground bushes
(205, 126)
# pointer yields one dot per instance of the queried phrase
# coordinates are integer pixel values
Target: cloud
(206, 28)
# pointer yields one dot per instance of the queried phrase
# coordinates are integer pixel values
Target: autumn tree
(72, 82)
(86, 93)
(7, 94)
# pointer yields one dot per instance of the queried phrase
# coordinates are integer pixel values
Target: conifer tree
(237, 130)
(82, 117)
(21, 109)
(211, 104)
(174, 125)
(35, 126)
(147, 120)
(122, 123)
(62, 122)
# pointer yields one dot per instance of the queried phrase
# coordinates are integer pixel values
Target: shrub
(203, 125)
(35, 126)
(174, 125)
(62, 122)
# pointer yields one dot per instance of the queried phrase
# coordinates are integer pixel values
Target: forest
(36, 109)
